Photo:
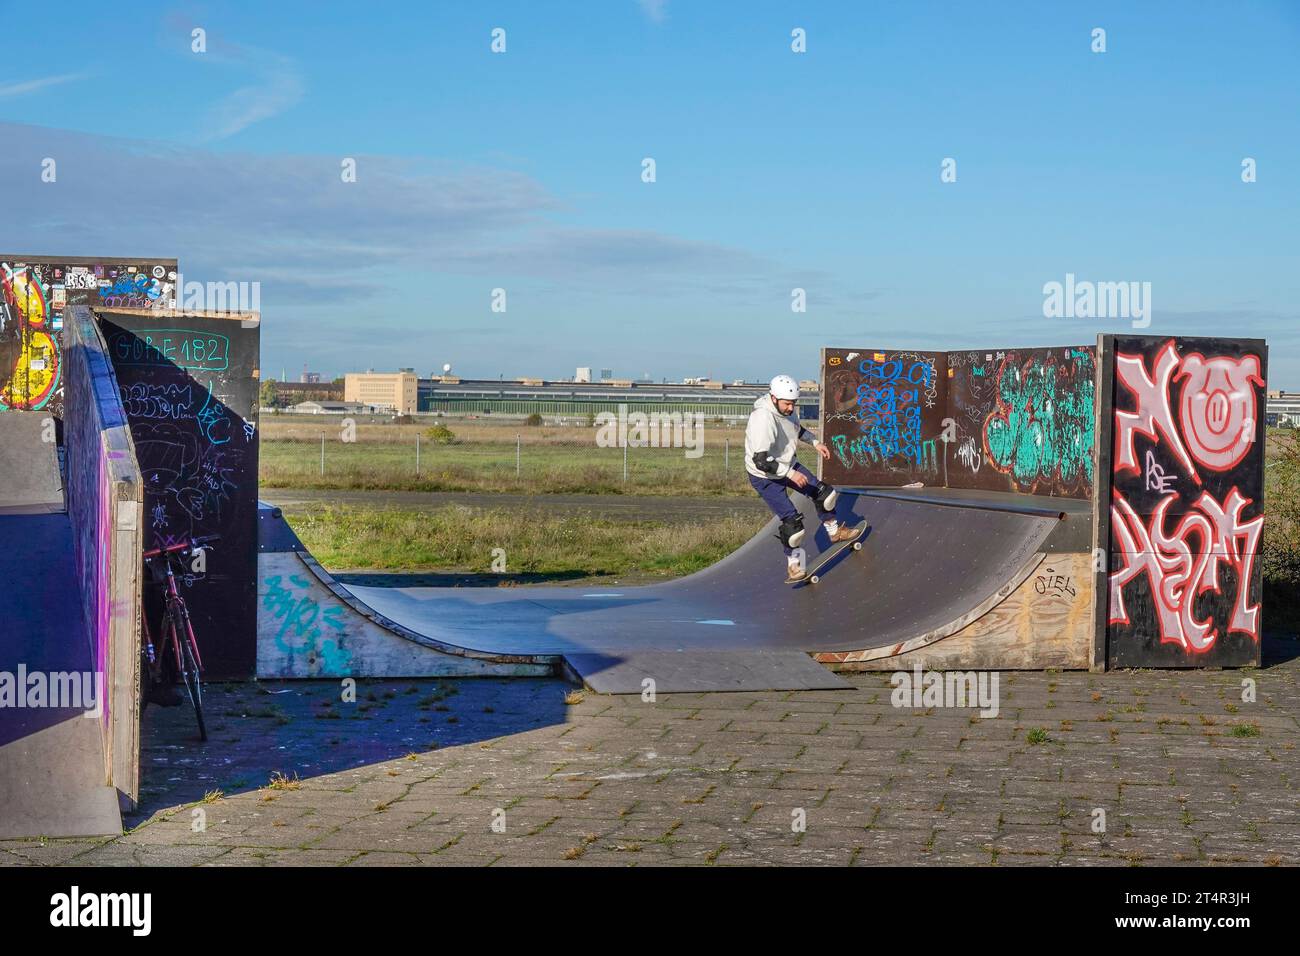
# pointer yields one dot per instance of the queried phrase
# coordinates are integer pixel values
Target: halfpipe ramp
(932, 563)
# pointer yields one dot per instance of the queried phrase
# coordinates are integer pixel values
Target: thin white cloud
(655, 10)
(280, 87)
(272, 82)
(31, 86)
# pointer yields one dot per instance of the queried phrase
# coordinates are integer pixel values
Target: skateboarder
(770, 440)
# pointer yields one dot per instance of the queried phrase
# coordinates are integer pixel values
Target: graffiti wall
(105, 511)
(882, 415)
(1023, 420)
(1186, 434)
(35, 292)
(189, 386)
(1017, 420)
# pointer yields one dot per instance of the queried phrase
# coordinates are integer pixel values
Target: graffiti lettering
(889, 415)
(1058, 585)
(305, 629)
(80, 280)
(969, 455)
(864, 451)
(172, 347)
(170, 402)
(1217, 412)
(1181, 565)
(1198, 416)
(1157, 480)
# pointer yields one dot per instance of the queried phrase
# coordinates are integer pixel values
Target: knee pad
(826, 497)
(791, 531)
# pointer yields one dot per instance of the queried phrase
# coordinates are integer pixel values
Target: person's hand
(822, 450)
(799, 480)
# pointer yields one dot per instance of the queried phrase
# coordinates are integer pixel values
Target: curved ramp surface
(928, 563)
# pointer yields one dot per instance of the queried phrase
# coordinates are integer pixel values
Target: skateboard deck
(855, 542)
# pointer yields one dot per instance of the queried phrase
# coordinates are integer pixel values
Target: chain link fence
(442, 454)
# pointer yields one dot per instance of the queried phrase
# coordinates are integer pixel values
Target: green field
(465, 540)
(487, 458)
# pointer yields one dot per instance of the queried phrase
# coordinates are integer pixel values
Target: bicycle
(175, 627)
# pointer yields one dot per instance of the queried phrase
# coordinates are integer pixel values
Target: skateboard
(855, 542)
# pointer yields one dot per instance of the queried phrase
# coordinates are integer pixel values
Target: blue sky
(775, 170)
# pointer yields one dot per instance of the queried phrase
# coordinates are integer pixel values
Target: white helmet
(783, 386)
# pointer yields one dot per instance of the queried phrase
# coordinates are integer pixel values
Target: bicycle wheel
(190, 674)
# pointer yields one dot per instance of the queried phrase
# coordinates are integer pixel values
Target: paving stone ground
(526, 772)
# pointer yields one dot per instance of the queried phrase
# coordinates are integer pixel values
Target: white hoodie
(770, 431)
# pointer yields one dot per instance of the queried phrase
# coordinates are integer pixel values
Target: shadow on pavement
(304, 729)
(1278, 648)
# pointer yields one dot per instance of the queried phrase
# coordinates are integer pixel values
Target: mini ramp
(932, 565)
(52, 776)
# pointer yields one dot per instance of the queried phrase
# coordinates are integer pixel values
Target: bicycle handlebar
(187, 545)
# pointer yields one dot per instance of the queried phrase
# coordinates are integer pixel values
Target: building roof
(638, 391)
(328, 406)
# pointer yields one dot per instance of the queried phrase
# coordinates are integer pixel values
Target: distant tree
(267, 394)
(534, 420)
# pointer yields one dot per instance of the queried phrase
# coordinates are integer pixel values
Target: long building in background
(577, 401)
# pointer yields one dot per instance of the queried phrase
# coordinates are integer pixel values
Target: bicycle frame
(176, 629)
(174, 608)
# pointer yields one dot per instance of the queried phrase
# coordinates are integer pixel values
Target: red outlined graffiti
(1192, 543)
(1217, 412)
(1182, 565)
(1153, 418)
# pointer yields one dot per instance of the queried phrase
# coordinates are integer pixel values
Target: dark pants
(774, 491)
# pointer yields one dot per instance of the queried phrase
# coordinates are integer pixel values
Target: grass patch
(279, 781)
(455, 538)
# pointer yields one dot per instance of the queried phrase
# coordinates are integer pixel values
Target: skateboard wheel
(815, 578)
(857, 545)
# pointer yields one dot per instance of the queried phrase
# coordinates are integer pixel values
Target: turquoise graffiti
(306, 631)
(1041, 432)
(863, 451)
